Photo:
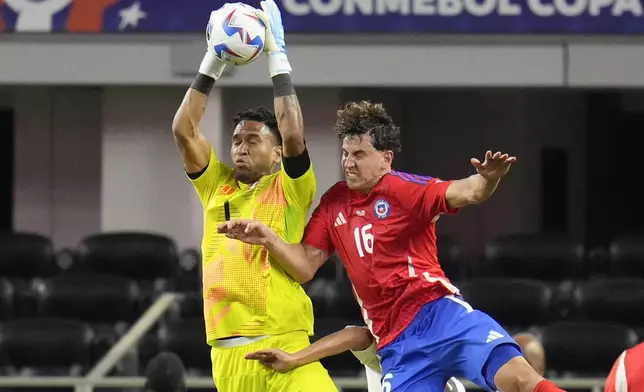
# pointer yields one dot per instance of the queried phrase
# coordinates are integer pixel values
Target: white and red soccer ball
(235, 34)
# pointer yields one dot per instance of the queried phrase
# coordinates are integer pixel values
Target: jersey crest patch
(381, 208)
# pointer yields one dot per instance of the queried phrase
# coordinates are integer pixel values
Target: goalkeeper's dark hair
(165, 373)
(262, 115)
(366, 118)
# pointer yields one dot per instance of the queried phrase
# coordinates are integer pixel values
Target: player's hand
(275, 45)
(211, 65)
(275, 359)
(246, 230)
(272, 18)
(495, 166)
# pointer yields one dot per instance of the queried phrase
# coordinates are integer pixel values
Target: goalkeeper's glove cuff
(278, 64)
(211, 66)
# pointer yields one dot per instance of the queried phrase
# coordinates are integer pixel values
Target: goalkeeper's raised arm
(194, 148)
(287, 107)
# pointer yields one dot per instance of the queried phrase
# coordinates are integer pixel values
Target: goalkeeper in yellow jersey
(250, 302)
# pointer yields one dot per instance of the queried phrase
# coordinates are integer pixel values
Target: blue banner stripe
(345, 16)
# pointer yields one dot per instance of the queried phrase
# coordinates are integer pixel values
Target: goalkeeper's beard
(247, 175)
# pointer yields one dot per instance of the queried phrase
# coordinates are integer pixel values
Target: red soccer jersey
(387, 242)
(627, 374)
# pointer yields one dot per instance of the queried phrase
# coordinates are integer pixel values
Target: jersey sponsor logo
(381, 208)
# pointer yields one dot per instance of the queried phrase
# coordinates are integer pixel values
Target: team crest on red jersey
(381, 208)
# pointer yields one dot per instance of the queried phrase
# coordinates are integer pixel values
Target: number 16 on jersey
(364, 239)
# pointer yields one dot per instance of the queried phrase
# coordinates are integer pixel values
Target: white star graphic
(131, 16)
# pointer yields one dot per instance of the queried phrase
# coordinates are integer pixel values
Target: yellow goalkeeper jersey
(245, 291)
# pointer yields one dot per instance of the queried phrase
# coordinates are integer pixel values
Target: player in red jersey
(382, 224)
(627, 374)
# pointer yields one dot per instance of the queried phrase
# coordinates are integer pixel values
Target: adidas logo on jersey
(339, 220)
(493, 335)
(226, 190)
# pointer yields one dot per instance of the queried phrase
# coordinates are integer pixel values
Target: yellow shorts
(233, 373)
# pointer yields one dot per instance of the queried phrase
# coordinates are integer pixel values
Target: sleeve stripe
(621, 383)
(420, 180)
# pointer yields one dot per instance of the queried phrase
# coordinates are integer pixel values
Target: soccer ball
(235, 35)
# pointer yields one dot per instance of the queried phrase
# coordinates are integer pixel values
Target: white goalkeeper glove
(275, 46)
(211, 65)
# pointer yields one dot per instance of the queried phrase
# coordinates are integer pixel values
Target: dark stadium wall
(143, 184)
(57, 162)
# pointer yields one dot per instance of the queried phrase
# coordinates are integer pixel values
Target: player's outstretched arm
(300, 261)
(194, 148)
(479, 187)
(287, 107)
(351, 338)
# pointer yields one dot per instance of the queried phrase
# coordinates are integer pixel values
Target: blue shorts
(447, 338)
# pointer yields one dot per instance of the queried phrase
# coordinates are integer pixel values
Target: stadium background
(86, 152)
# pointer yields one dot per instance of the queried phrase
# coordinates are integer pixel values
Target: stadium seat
(26, 256)
(611, 300)
(627, 256)
(139, 256)
(108, 303)
(187, 339)
(93, 298)
(534, 256)
(584, 348)
(51, 344)
(514, 303)
(25, 259)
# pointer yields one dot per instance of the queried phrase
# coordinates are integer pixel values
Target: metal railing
(343, 384)
(96, 377)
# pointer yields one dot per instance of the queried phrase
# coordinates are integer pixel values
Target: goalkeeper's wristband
(282, 85)
(211, 66)
(203, 83)
(278, 64)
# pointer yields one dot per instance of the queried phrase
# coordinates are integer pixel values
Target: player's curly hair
(366, 118)
(260, 114)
